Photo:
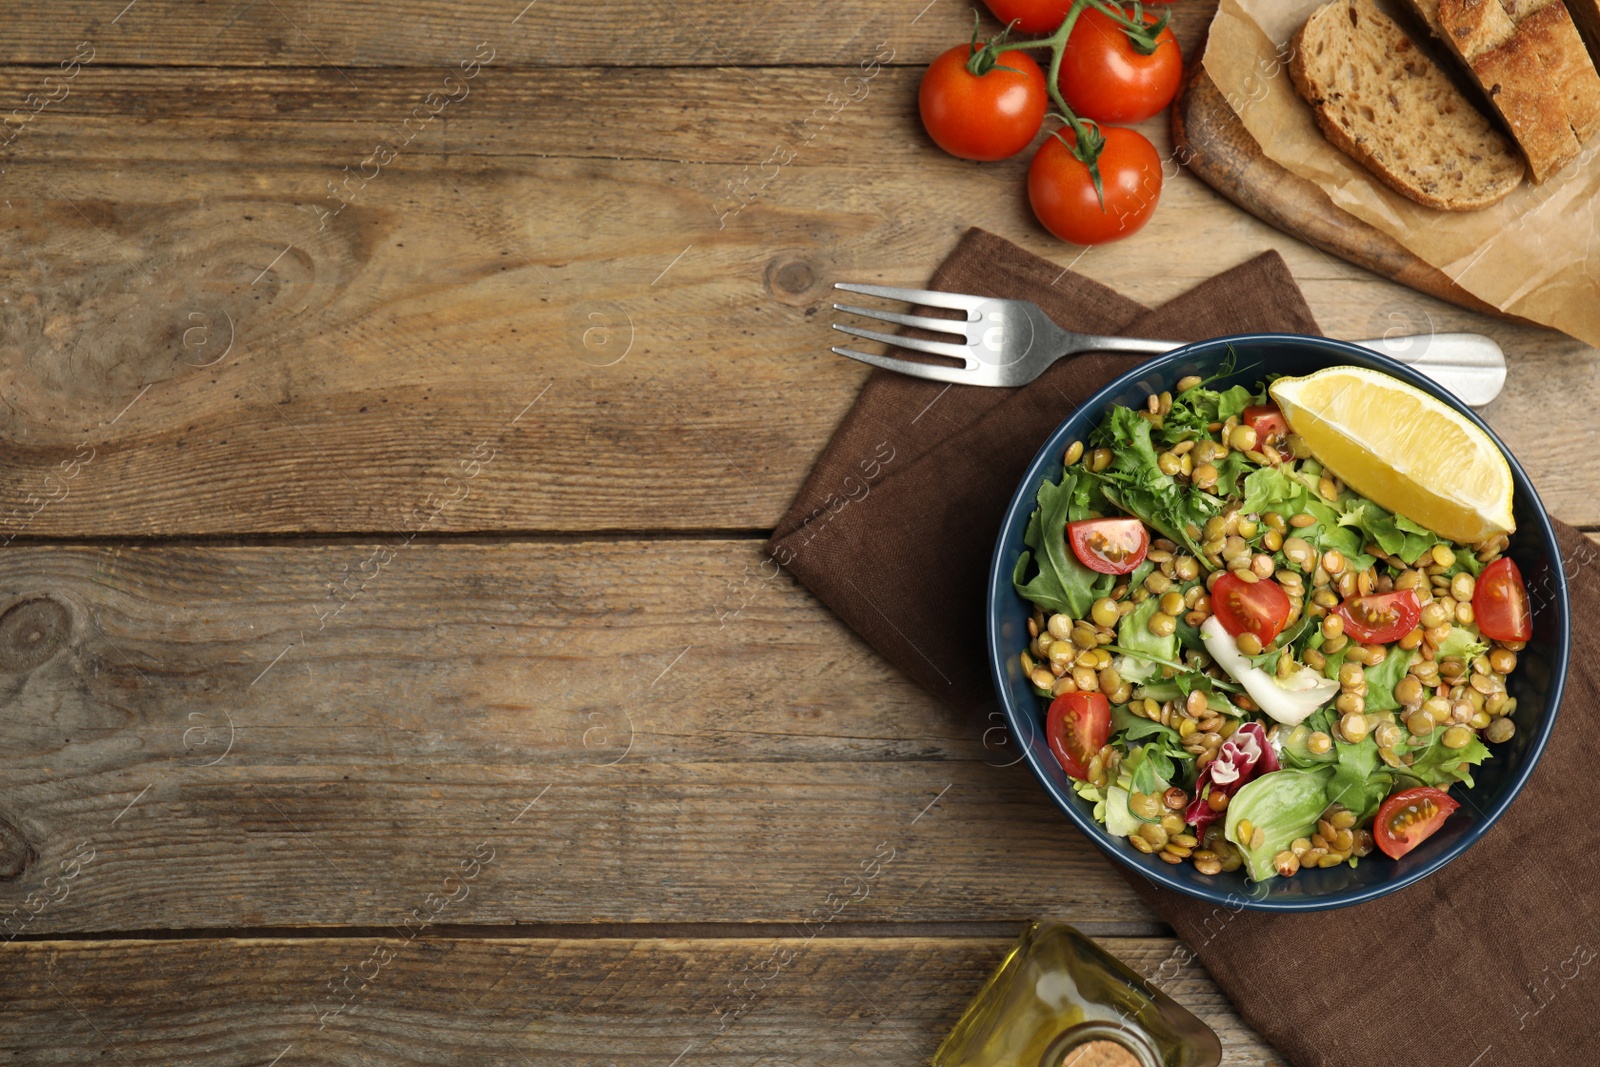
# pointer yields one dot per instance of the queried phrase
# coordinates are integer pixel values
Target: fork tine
(925, 297)
(915, 344)
(955, 375)
(921, 322)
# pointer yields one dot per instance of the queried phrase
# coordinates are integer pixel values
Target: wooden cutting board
(1210, 138)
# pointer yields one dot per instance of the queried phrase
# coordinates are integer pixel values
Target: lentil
(1500, 730)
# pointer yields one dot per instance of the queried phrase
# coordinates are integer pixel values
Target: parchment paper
(1535, 254)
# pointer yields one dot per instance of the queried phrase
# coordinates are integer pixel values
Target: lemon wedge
(1403, 449)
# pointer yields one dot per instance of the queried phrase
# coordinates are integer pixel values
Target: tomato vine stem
(1087, 139)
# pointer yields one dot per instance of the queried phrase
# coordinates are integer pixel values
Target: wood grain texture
(789, 1002)
(542, 33)
(640, 731)
(327, 375)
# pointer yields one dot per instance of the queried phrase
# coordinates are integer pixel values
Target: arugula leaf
(1136, 727)
(1335, 660)
(1135, 484)
(1180, 685)
(1152, 771)
(1062, 583)
(1163, 746)
(1382, 679)
(1180, 670)
(1293, 751)
(1268, 661)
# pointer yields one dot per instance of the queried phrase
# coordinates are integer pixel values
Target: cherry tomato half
(1030, 16)
(1110, 546)
(1267, 421)
(988, 116)
(1063, 195)
(1105, 78)
(1261, 607)
(1378, 618)
(1410, 817)
(1077, 727)
(1500, 603)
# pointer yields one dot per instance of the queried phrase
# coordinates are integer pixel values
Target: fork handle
(1086, 343)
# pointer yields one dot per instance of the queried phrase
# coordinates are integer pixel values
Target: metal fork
(1011, 342)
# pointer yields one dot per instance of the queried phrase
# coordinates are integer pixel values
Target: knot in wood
(31, 632)
(15, 852)
(792, 280)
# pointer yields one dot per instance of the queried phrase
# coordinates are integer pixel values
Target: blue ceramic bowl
(1537, 682)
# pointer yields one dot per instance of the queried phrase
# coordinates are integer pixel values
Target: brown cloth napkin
(1491, 961)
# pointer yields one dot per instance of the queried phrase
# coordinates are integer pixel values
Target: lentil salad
(1247, 663)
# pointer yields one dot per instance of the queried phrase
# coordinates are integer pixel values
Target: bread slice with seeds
(1383, 102)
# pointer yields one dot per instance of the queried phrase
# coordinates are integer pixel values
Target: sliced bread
(1385, 104)
(1561, 50)
(1507, 64)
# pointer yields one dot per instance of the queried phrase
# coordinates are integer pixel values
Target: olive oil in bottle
(1060, 1000)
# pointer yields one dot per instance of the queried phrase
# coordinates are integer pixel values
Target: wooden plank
(369, 359)
(543, 33)
(637, 730)
(791, 1001)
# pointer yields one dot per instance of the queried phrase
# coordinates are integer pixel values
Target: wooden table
(389, 672)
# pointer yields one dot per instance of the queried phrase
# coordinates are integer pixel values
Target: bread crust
(1324, 111)
(1474, 27)
(1514, 78)
(1553, 36)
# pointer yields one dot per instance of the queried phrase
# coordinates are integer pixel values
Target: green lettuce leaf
(1270, 489)
(1382, 679)
(1230, 402)
(1358, 782)
(1464, 642)
(1284, 805)
(1435, 764)
(1394, 533)
(1142, 647)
